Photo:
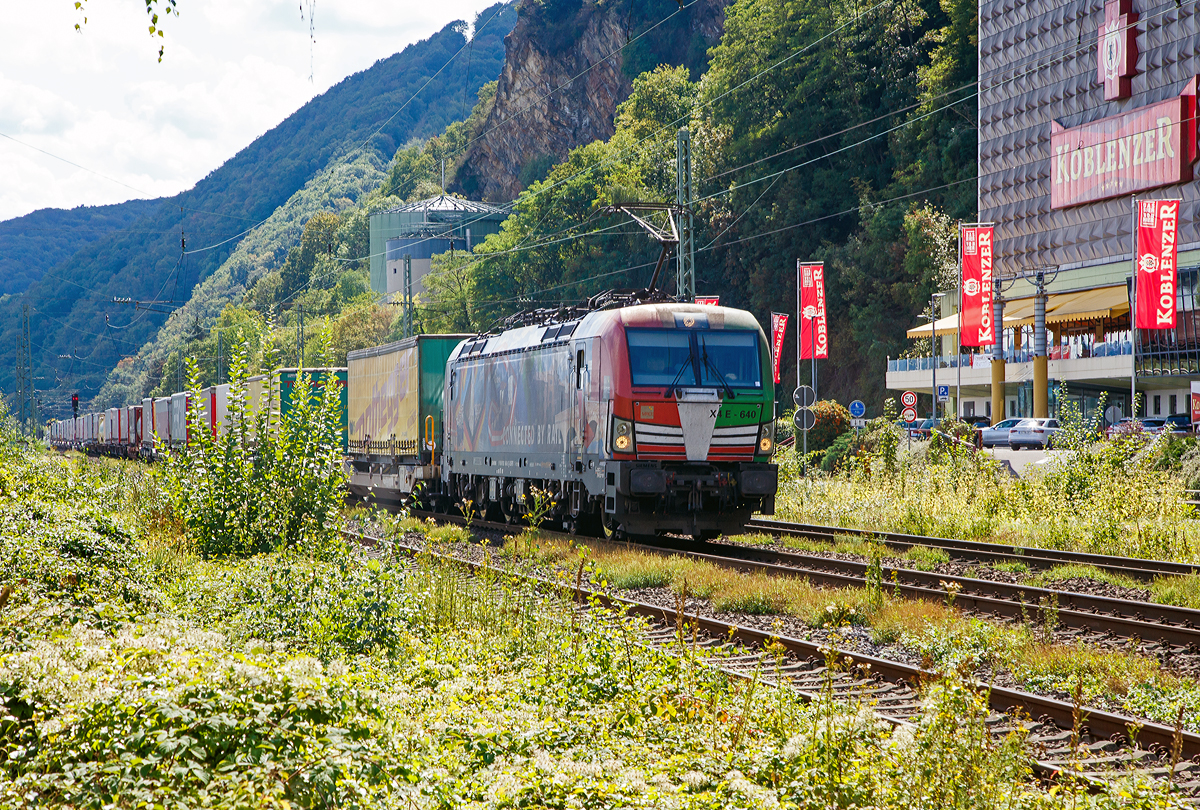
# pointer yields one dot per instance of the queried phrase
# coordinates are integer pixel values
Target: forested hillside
(822, 131)
(32, 244)
(378, 109)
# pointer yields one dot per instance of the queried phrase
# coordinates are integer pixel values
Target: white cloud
(231, 71)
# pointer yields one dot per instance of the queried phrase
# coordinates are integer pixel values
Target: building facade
(1084, 107)
(421, 230)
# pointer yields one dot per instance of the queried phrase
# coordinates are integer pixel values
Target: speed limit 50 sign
(908, 399)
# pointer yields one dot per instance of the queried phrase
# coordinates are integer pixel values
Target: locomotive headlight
(622, 435)
(766, 437)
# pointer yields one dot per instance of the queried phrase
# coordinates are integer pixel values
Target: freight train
(629, 420)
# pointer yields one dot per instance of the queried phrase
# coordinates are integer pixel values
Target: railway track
(980, 552)
(1051, 724)
(1176, 627)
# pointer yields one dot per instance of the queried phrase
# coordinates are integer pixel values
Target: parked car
(1153, 424)
(1124, 427)
(1033, 433)
(923, 429)
(997, 434)
(978, 421)
(1180, 424)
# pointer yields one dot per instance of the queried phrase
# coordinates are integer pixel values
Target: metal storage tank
(424, 229)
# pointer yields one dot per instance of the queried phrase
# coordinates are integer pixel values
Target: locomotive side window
(579, 369)
(660, 357)
(731, 356)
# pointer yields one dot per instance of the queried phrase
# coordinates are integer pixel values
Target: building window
(1012, 407)
(1175, 352)
(1157, 405)
(989, 409)
(1174, 404)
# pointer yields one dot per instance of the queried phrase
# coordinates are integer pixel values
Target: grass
(286, 680)
(945, 639)
(1061, 573)
(1182, 591)
(1108, 499)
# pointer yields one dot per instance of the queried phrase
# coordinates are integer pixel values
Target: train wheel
(508, 508)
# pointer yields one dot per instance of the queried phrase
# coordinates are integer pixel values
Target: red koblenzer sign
(1142, 149)
(814, 340)
(977, 326)
(1158, 225)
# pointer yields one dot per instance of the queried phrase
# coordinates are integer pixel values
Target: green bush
(832, 421)
(266, 481)
(839, 452)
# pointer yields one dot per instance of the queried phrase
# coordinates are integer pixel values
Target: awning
(944, 326)
(1086, 305)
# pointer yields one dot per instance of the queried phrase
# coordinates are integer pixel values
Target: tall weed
(266, 481)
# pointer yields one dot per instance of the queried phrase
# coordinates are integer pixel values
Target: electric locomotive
(636, 420)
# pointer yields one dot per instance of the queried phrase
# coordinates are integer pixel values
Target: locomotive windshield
(732, 355)
(660, 357)
(675, 357)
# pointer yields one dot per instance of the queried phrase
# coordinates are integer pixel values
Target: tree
(318, 240)
(168, 8)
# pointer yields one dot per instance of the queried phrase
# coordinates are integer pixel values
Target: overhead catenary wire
(774, 175)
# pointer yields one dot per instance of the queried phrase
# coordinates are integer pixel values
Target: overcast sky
(232, 70)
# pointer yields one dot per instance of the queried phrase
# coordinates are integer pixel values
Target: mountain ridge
(70, 305)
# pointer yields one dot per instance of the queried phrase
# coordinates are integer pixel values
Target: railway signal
(75, 405)
(805, 419)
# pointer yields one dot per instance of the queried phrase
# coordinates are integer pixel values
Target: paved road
(1019, 459)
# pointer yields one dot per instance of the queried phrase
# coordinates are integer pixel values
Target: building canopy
(1085, 305)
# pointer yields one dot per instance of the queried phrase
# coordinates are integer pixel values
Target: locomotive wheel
(508, 508)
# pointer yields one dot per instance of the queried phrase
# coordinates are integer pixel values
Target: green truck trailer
(394, 410)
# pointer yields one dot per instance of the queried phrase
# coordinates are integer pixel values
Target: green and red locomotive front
(692, 428)
(642, 419)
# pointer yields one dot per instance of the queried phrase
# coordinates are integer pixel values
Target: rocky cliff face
(534, 124)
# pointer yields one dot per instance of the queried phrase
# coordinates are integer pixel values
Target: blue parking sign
(943, 393)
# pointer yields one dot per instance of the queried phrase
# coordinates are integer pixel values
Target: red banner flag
(778, 330)
(814, 337)
(1157, 222)
(709, 300)
(978, 328)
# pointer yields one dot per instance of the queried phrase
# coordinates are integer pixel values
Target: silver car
(1033, 433)
(998, 433)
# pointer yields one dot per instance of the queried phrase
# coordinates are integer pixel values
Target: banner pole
(958, 408)
(1133, 331)
(799, 323)
(812, 339)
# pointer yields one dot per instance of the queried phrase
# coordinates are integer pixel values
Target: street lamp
(933, 338)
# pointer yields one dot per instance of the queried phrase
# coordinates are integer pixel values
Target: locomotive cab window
(676, 357)
(660, 357)
(731, 357)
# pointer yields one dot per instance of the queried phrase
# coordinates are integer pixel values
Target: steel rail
(978, 551)
(1147, 621)
(1002, 699)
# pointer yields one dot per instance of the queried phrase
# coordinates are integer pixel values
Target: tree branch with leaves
(167, 7)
